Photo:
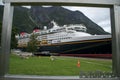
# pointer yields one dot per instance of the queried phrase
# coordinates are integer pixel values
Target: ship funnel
(54, 24)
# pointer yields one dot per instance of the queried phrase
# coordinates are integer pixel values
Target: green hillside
(25, 19)
(21, 19)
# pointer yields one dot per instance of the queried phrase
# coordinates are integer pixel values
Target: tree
(0, 32)
(32, 44)
(13, 38)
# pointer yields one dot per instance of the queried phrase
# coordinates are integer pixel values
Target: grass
(62, 66)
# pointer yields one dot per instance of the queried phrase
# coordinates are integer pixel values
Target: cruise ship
(67, 40)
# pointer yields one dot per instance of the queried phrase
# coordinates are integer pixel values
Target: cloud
(100, 16)
(106, 24)
(1, 2)
(27, 6)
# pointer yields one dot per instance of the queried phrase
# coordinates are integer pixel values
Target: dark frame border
(114, 5)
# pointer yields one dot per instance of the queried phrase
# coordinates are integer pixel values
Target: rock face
(44, 15)
(26, 19)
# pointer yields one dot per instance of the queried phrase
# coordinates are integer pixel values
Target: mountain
(43, 16)
(20, 19)
(26, 19)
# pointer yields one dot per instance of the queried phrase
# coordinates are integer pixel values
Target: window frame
(114, 6)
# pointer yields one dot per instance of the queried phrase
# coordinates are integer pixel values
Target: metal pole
(115, 15)
(6, 37)
(83, 2)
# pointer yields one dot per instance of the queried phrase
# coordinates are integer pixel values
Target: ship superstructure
(67, 39)
(59, 34)
(23, 39)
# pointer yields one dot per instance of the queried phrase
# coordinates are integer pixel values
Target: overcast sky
(100, 16)
(0, 2)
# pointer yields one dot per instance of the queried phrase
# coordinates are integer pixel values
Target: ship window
(70, 29)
